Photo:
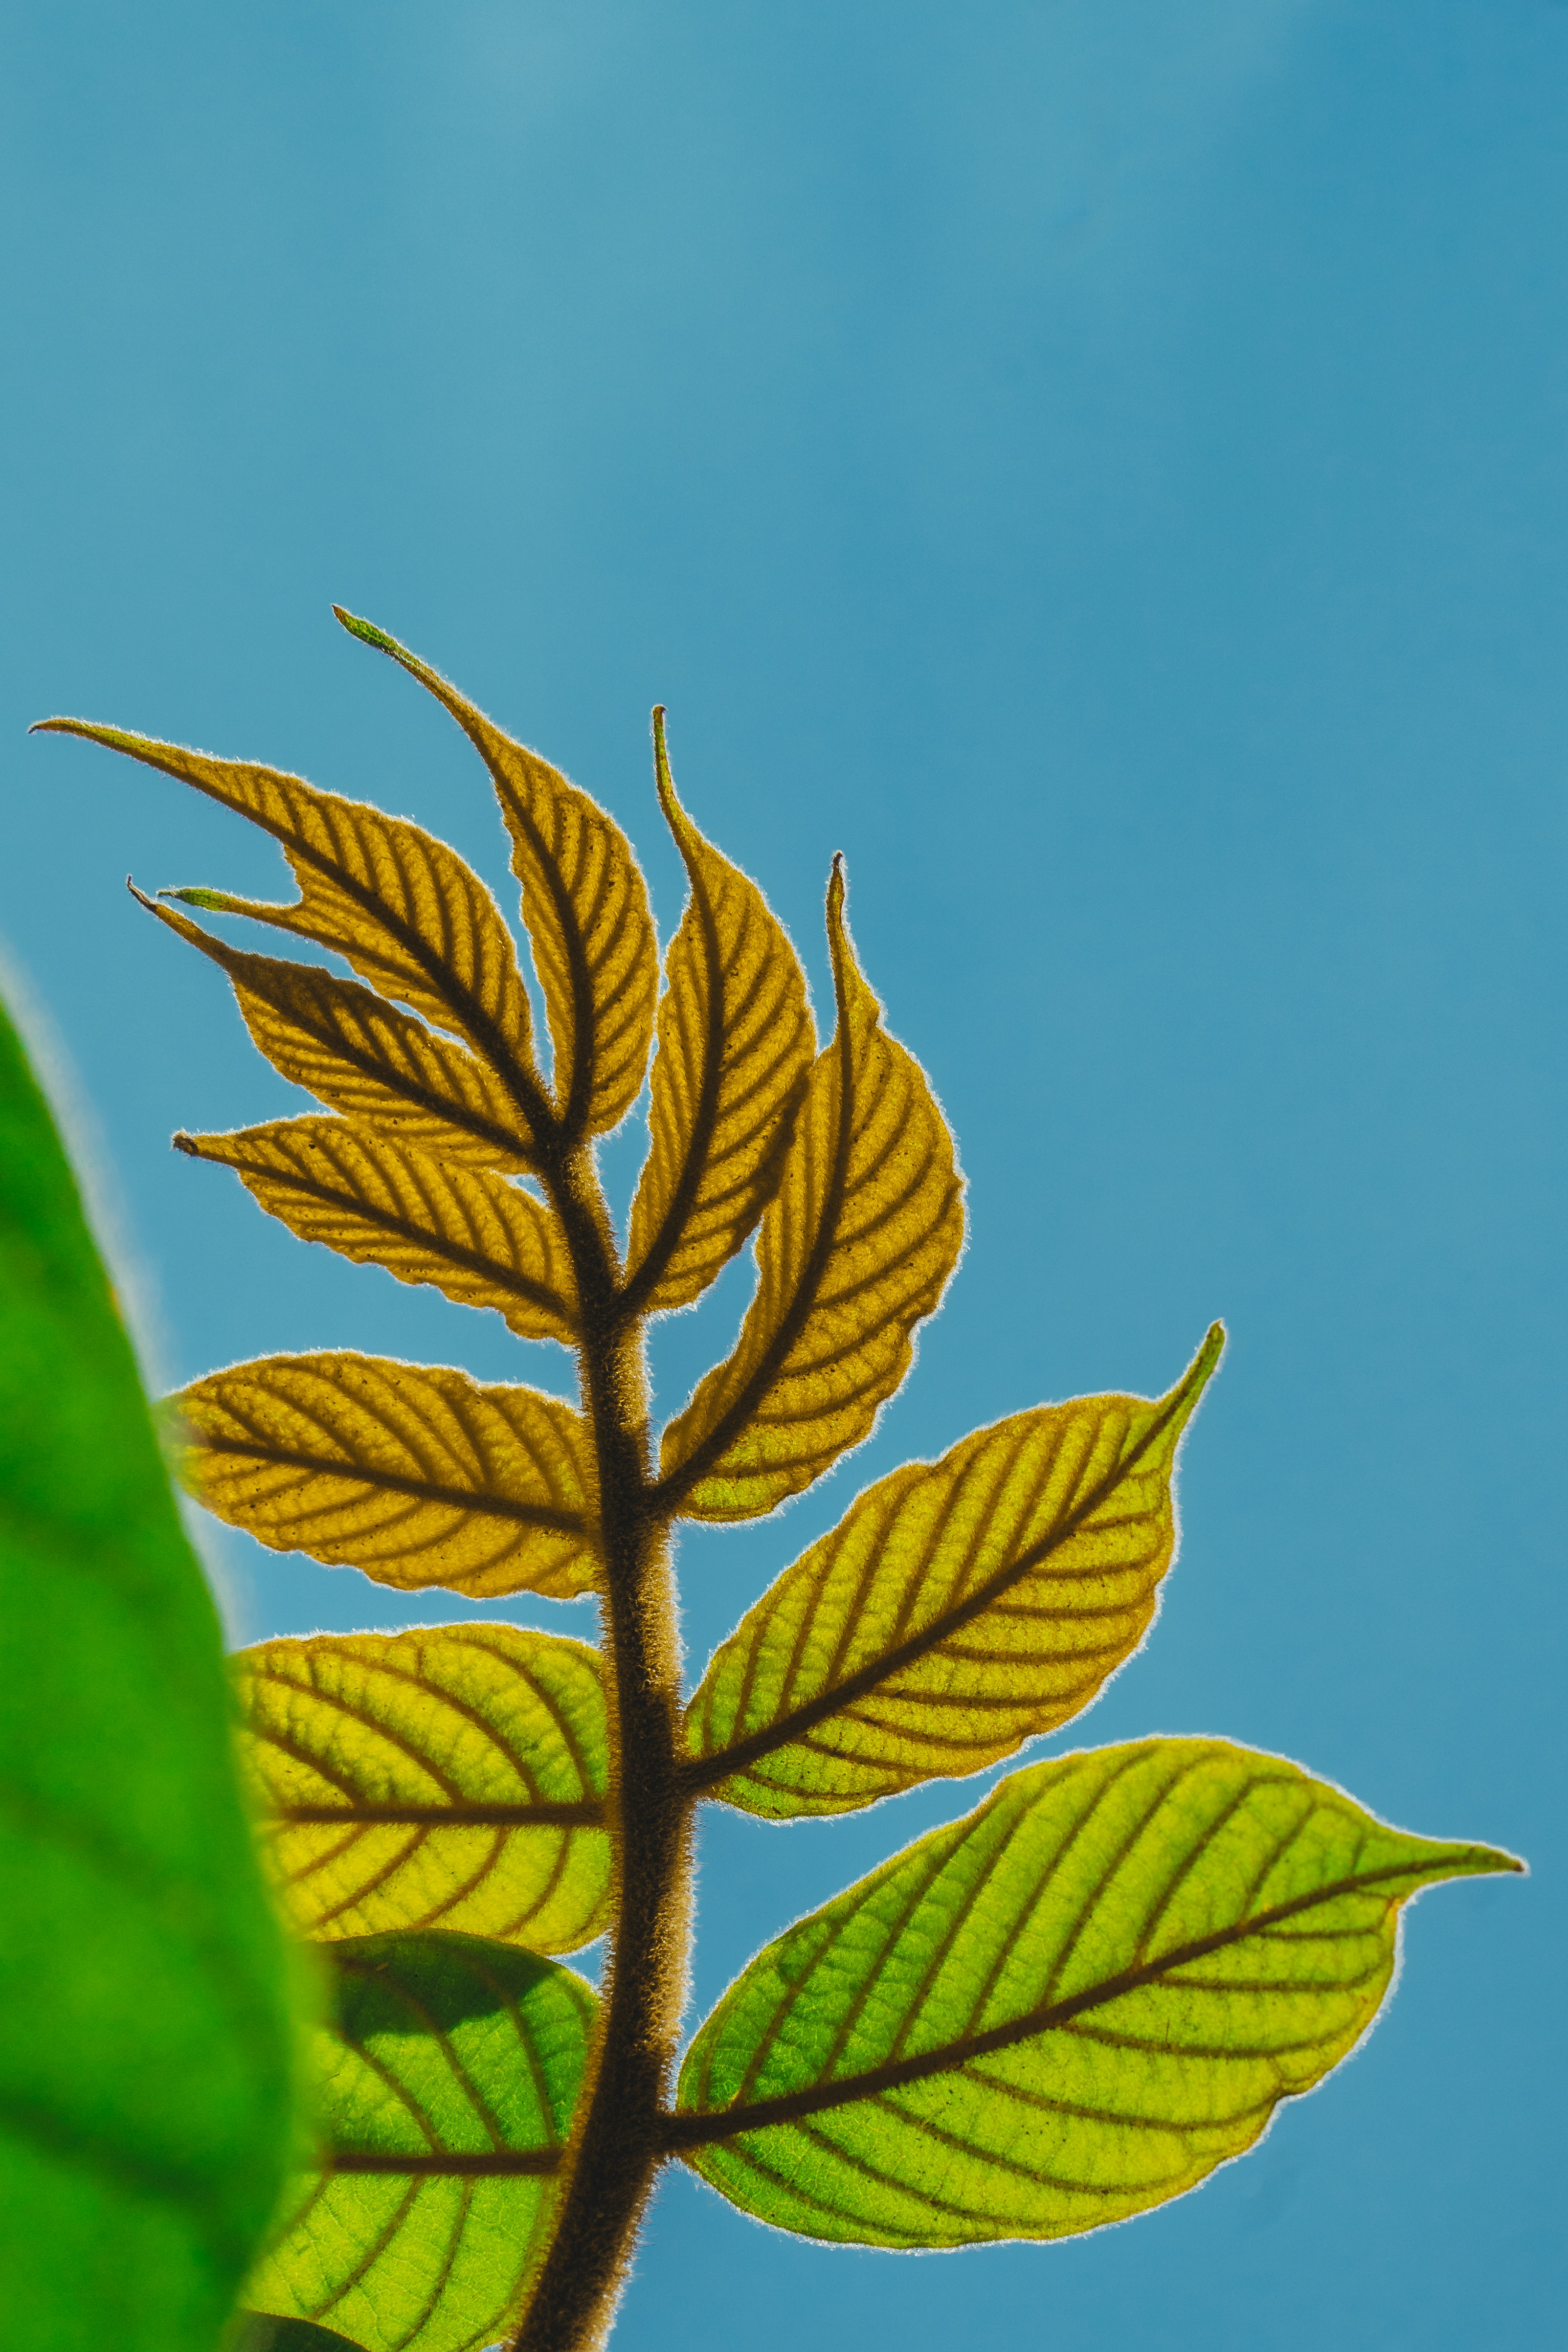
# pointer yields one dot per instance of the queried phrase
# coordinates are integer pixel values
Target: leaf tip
(365, 630)
(181, 1142)
(141, 897)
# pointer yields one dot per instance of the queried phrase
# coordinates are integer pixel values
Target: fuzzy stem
(617, 2143)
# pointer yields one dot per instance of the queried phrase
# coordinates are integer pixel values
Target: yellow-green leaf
(412, 1471)
(355, 1051)
(734, 1042)
(1063, 2009)
(483, 1242)
(449, 1777)
(403, 909)
(959, 1608)
(856, 1247)
(445, 2076)
(585, 906)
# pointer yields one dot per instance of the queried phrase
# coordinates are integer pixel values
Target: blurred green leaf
(144, 2045)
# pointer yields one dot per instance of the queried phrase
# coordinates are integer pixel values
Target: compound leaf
(404, 909)
(1063, 2009)
(734, 1042)
(144, 2029)
(482, 1241)
(449, 1777)
(412, 1471)
(586, 907)
(357, 1053)
(445, 2076)
(958, 1609)
(857, 1246)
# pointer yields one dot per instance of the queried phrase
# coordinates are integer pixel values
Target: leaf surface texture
(1063, 2009)
(584, 904)
(414, 1473)
(445, 2081)
(734, 1043)
(856, 1247)
(450, 1777)
(482, 1241)
(959, 1608)
(144, 2026)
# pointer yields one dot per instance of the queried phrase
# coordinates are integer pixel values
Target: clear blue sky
(1104, 467)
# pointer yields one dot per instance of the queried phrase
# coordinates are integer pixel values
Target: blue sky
(1102, 467)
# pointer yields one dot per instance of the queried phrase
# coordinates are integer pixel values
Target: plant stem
(617, 2144)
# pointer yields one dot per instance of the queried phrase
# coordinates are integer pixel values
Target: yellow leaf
(734, 1042)
(960, 1608)
(483, 1242)
(353, 1050)
(403, 909)
(857, 1246)
(412, 1471)
(586, 907)
(452, 1777)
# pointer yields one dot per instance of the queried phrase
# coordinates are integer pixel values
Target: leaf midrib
(423, 1490)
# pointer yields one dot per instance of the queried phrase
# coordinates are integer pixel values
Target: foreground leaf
(144, 2038)
(585, 906)
(399, 906)
(1061, 2011)
(359, 1054)
(450, 1777)
(960, 1608)
(412, 1471)
(482, 1241)
(445, 2079)
(734, 1043)
(855, 1249)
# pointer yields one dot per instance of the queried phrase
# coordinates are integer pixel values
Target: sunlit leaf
(444, 2084)
(359, 1054)
(483, 1242)
(585, 906)
(734, 1042)
(449, 1777)
(401, 908)
(412, 1471)
(1065, 2009)
(856, 1247)
(958, 1609)
(144, 2037)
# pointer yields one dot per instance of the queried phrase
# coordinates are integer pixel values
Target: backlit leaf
(1065, 2009)
(144, 2033)
(483, 1242)
(856, 1247)
(444, 2084)
(585, 906)
(958, 1609)
(449, 1777)
(734, 1042)
(404, 909)
(412, 1471)
(358, 1054)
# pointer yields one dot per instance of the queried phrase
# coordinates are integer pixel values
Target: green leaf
(253, 2333)
(958, 1609)
(446, 2077)
(1063, 2009)
(450, 1777)
(145, 2039)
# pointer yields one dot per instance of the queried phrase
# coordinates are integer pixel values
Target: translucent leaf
(412, 1471)
(404, 909)
(145, 2032)
(856, 1247)
(734, 1042)
(1065, 2009)
(444, 2084)
(483, 1242)
(586, 907)
(450, 1777)
(959, 1608)
(358, 1054)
